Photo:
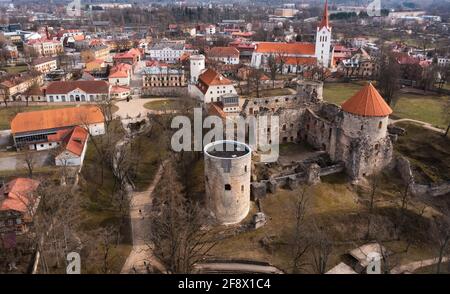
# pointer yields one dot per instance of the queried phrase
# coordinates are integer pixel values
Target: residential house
(74, 147)
(44, 47)
(227, 55)
(211, 86)
(120, 74)
(19, 201)
(12, 88)
(95, 52)
(44, 64)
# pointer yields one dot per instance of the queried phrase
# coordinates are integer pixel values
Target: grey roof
(171, 45)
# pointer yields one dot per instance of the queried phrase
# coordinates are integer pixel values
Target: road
(141, 255)
(14, 161)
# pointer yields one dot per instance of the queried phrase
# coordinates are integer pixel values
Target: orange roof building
(46, 129)
(211, 86)
(75, 144)
(296, 49)
(367, 102)
(18, 204)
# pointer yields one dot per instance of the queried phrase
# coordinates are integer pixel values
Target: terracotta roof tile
(367, 102)
(76, 140)
(212, 78)
(55, 118)
(18, 194)
(223, 52)
(64, 87)
(298, 48)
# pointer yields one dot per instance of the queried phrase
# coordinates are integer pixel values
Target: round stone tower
(227, 180)
(197, 63)
(366, 114)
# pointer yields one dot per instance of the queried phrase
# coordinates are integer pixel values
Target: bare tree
(321, 249)
(388, 76)
(30, 160)
(301, 243)
(440, 229)
(273, 68)
(179, 234)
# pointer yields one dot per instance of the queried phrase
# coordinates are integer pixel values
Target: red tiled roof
(297, 48)
(55, 118)
(215, 108)
(64, 87)
(18, 194)
(119, 89)
(76, 140)
(223, 52)
(212, 78)
(367, 102)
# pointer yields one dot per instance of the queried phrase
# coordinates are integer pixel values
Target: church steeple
(324, 21)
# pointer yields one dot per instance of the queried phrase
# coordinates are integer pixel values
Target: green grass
(427, 108)
(428, 152)
(162, 105)
(15, 69)
(8, 113)
(151, 154)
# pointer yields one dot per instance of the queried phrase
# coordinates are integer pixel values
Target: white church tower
(197, 63)
(323, 40)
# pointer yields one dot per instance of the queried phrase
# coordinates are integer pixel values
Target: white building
(210, 30)
(443, 61)
(167, 51)
(77, 91)
(197, 65)
(211, 86)
(74, 148)
(297, 53)
(227, 55)
(323, 40)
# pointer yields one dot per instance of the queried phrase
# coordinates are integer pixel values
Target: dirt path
(413, 266)
(141, 256)
(424, 124)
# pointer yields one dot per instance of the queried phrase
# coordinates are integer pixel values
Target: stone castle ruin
(354, 134)
(353, 137)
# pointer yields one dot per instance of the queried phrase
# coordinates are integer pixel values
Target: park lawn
(427, 108)
(162, 105)
(338, 209)
(428, 152)
(8, 113)
(15, 69)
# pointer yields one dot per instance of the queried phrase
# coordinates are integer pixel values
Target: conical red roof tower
(367, 102)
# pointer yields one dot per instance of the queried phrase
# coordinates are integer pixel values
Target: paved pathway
(14, 160)
(424, 124)
(413, 266)
(134, 108)
(141, 255)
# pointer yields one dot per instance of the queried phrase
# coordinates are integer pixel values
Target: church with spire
(323, 40)
(298, 56)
